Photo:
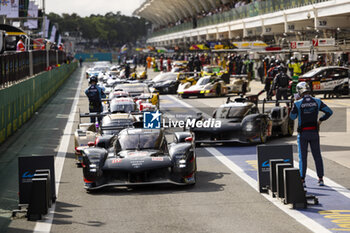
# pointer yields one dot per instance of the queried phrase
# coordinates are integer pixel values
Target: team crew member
(280, 83)
(20, 45)
(95, 94)
(306, 110)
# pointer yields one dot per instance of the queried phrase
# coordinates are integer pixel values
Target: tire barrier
(18, 66)
(19, 102)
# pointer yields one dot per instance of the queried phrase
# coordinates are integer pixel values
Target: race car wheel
(218, 90)
(290, 128)
(184, 96)
(262, 136)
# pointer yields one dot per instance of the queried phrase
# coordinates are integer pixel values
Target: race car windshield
(134, 88)
(232, 112)
(115, 126)
(311, 73)
(139, 142)
(203, 81)
(122, 108)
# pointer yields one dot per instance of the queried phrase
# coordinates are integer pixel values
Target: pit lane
(220, 202)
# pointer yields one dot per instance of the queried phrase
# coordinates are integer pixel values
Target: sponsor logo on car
(157, 159)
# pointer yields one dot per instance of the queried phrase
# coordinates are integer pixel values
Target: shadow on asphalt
(205, 183)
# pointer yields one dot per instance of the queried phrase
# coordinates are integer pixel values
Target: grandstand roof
(165, 11)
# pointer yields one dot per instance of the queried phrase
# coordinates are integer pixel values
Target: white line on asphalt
(330, 183)
(301, 218)
(45, 225)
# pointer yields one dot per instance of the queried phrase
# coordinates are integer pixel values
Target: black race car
(241, 121)
(140, 157)
(166, 83)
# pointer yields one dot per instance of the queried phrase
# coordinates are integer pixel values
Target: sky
(88, 7)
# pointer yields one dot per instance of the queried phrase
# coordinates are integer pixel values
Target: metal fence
(253, 9)
(17, 66)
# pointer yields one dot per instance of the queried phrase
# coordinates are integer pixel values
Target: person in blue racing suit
(306, 109)
(95, 94)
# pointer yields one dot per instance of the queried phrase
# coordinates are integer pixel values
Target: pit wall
(20, 101)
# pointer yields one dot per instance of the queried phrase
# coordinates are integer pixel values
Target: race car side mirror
(91, 144)
(188, 139)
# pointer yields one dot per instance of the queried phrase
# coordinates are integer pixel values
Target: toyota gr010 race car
(241, 121)
(140, 157)
(112, 123)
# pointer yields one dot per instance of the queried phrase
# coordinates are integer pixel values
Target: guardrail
(17, 66)
(253, 9)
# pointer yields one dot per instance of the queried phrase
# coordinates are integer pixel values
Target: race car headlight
(249, 126)
(182, 163)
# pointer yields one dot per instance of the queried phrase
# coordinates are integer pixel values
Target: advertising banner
(9, 8)
(32, 12)
(26, 170)
(267, 152)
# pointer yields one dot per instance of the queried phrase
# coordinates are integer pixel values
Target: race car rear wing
(250, 98)
(276, 102)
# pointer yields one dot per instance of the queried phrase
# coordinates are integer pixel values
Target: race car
(330, 80)
(205, 87)
(186, 80)
(241, 121)
(140, 157)
(139, 90)
(238, 84)
(86, 134)
(165, 83)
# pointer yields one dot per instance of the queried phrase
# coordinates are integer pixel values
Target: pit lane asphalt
(220, 201)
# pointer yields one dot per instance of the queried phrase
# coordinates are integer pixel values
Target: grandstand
(273, 21)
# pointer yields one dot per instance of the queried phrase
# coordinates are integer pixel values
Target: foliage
(112, 29)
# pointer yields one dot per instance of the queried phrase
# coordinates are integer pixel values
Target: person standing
(95, 94)
(161, 60)
(127, 70)
(149, 61)
(280, 83)
(20, 45)
(81, 61)
(169, 64)
(306, 109)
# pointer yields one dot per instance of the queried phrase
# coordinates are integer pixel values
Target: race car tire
(290, 128)
(184, 97)
(218, 90)
(262, 135)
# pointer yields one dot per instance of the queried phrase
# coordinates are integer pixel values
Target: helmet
(93, 79)
(302, 88)
(278, 62)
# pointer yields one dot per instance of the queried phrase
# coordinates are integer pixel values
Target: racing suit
(95, 94)
(306, 110)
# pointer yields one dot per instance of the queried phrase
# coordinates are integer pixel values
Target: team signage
(26, 169)
(264, 154)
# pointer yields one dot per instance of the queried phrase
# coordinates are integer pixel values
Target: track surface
(220, 202)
